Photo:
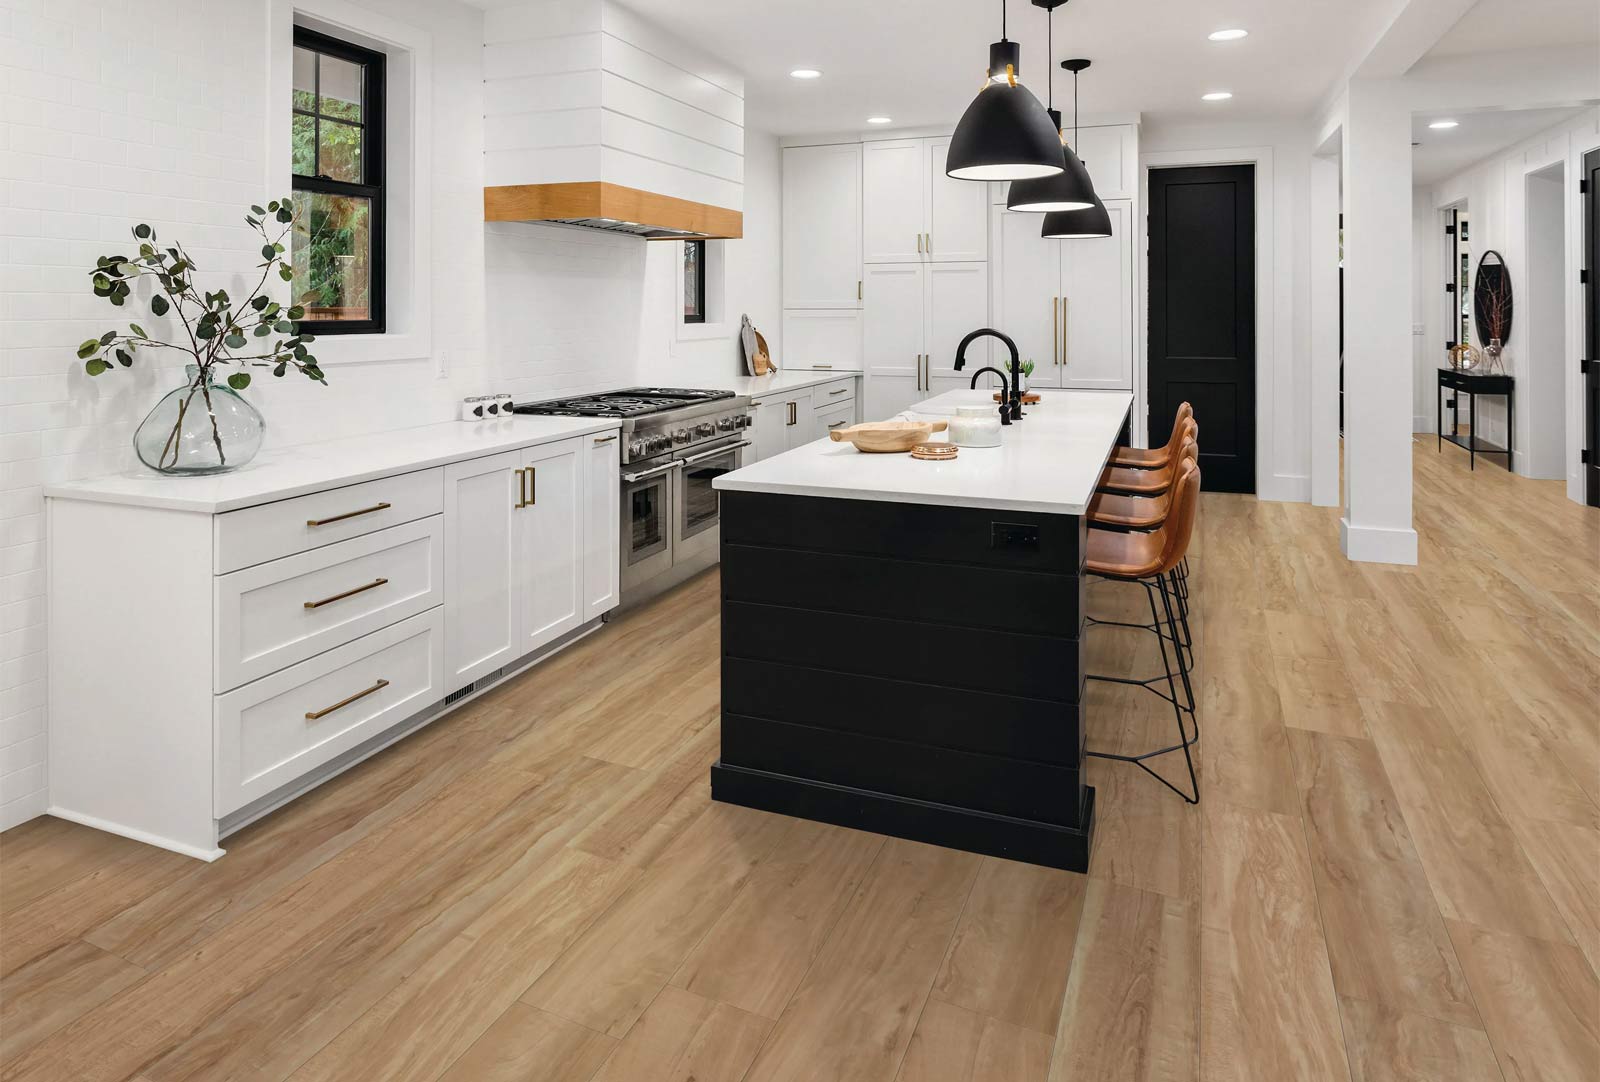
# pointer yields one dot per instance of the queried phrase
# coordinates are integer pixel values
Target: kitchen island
(902, 641)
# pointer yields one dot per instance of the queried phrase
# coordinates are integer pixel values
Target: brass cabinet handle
(1063, 331)
(919, 243)
(603, 439)
(836, 424)
(1055, 330)
(325, 711)
(373, 585)
(841, 390)
(858, 289)
(827, 366)
(348, 514)
(533, 485)
(522, 490)
(930, 243)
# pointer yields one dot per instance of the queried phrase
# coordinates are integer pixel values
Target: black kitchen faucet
(1011, 392)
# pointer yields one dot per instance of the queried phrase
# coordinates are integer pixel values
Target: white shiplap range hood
(595, 117)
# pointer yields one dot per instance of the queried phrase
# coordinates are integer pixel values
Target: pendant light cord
(1002, 20)
(1050, 59)
(1074, 110)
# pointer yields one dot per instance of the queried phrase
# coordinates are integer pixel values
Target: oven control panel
(668, 436)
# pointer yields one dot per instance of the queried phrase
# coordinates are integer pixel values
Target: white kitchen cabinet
(915, 316)
(799, 424)
(822, 226)
(823, 339)
(769, 432)
(333, 602)
(911, 212)
(1068, 304)
(548, 540)
(1110, 152)
(830, 416)
(602, 496)
(483, 621)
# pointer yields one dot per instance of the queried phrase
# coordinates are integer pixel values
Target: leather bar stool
(1151, 559)
(1153, 458)
(1132, 481)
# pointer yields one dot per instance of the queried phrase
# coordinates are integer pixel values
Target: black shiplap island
(902, 641)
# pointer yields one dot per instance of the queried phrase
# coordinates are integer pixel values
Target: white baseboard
(1378, 544)
(1286, 488)
(137, 835)
(16, 812)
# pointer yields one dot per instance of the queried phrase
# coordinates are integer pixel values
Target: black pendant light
(1005, 134)
(1091, 221)
(1070, 189)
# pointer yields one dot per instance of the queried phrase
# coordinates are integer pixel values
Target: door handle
(347, 514)
(522, 490)
(919, 243)
(1064, 357)
(373, 585)
(533, 486)
(692, 459)
(930, 243)
(325, 711)
(653, 471)
(603, 439)
(1055, 330)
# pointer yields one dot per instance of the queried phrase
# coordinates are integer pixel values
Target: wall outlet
(441, 364)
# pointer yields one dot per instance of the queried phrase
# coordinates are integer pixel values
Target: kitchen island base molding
(972, 831)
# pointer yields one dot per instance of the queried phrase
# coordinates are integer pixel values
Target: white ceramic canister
(975, 426)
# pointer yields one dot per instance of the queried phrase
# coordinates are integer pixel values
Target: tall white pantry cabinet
(887, 263)
(220, 645)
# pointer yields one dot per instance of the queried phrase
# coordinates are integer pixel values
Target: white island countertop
(1049, 462)
(280, 472)
(788, 379)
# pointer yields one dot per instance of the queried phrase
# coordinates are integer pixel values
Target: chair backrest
(1180, 515)
(1188, 430)
(1185, 413)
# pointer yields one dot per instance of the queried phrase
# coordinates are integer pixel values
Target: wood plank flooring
(1394, 872)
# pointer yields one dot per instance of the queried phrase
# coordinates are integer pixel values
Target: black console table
(1473, 384)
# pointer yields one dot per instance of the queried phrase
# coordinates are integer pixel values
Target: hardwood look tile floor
(1392, 876)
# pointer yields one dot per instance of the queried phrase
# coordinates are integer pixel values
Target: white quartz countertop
(281, 472)
(782, 380)
(1049, 462)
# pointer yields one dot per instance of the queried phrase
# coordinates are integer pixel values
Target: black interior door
(1591, 335)
(1202, 333)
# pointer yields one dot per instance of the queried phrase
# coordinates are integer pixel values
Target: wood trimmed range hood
(595, 117)
(597, 204)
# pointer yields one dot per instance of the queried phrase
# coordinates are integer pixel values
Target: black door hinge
(1583, 187)
(1449, 230)
(1449, 287)
(1583, 276)
(1448, 346)
(1583, 457)
(1583, 366)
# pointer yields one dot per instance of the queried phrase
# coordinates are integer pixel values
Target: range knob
(639, 447)
(681, 436)
(705, 428)
(659, 442)
(725, 424)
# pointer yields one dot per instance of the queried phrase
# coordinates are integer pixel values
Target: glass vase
(202, 427)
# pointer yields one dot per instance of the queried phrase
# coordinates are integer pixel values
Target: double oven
(671, 521)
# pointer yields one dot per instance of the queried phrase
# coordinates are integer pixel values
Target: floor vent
(460, 693)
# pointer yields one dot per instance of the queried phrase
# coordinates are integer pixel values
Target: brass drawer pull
(348, 514)
(603, 439)
(827, 366)
(374, 584)
(522, 490)
(836, 424)
(325, 711)
(533, 485)
(841, 390)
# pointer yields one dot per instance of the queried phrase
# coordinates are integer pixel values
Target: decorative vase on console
(1494, 351)
(205, 426)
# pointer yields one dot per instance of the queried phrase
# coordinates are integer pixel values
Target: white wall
(1283, 356)
(86, 152)
(1495, 192)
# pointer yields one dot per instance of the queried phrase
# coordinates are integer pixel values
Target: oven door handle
(724, 449)
(653, 471)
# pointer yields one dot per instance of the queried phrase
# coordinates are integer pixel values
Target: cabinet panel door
(769, 434)
(799, 425)
(1098, 334)
(893, 218)
(821, 226)
(1027, 293)
(886, 396)
(549, 541)
(821, 338)
(1111, 156)
(835, 415)
(602, 503)
(956, 302)
(482, 619)
(891, 324)
(958, 210)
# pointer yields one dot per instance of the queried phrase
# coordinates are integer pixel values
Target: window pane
(332, 253)
(693, 312)
(341, 88)
(304, 136)
(340, 156)
(305, 79)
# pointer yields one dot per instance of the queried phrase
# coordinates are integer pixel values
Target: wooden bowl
(887, 437)
(1029, 398)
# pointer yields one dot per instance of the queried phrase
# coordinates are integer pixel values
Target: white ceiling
(921, 63)
(1493, 25)
(1445, 153)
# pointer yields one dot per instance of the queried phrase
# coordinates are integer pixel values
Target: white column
(1324, 228)
(1377, 360)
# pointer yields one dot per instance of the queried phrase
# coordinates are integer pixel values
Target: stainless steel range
(674, 443)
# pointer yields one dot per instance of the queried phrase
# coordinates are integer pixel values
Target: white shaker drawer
(273, 731)
(272, 615)
(829, 394)
(270, 530)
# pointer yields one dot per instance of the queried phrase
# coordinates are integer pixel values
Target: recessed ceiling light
(1228, 35)
(805, 73)
(1217, 95)
(879, 119)
(1444, 124)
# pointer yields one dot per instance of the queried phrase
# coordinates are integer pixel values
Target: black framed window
(694, 281)
(337, 148)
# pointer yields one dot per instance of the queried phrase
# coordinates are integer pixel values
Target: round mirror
(1491, 299)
